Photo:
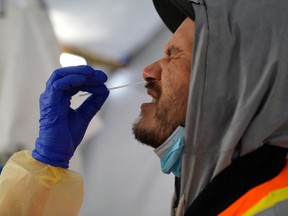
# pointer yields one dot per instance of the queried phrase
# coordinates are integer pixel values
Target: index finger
(84, 70)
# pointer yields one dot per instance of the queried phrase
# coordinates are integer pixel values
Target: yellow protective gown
(31, 188)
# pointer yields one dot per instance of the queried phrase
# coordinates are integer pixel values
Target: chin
(151, 136)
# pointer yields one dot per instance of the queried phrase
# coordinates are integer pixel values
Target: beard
(167, 118)
(154, 136)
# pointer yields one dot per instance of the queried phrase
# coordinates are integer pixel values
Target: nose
(152, 72)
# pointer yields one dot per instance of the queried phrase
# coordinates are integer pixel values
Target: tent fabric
(29, 52)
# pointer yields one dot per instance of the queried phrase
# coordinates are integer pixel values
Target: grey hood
(238, 97)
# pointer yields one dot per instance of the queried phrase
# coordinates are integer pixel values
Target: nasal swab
(121, 86)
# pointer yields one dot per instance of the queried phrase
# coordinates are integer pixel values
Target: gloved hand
(61, 127)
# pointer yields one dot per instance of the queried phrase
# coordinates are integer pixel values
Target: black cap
(174, 12)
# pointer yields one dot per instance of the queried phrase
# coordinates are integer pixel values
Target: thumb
(92, 105)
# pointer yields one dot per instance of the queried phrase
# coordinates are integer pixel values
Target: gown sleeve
(31, 188)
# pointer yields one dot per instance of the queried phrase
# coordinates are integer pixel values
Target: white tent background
(29, 53)
(121, 176)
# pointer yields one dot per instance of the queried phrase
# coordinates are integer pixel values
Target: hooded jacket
(238, 89)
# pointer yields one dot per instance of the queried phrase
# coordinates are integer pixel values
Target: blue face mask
(170, 153)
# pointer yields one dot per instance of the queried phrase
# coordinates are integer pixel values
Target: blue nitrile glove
(61, 127)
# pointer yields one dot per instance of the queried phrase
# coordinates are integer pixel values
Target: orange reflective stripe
(269, 201)
(256, 194)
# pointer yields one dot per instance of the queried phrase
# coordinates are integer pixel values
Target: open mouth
(152, 103)
(154, 95)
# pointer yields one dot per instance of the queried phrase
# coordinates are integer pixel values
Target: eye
(168, 53)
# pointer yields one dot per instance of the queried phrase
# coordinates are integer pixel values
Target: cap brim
(173, 13)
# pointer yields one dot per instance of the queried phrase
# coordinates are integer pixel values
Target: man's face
(167, 84)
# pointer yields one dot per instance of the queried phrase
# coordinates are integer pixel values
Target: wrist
(41, 155)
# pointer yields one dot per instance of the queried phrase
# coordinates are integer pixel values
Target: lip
(147, 105)
(150, 105)
(153, 94)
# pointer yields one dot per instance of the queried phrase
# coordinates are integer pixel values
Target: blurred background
(122, 177)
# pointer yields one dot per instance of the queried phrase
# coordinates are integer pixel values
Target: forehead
(184, 35)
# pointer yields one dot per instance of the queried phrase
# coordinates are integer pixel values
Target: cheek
(175, 87)
(174, 100)
(173, 104)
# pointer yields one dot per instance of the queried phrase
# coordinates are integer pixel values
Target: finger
(99, 89)
(69, 82)
(61, 72)
(62, 88)
(84, 70)
(93, 89)
(92, 105)
(77, 80)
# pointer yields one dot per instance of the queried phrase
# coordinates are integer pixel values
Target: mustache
(155, 87)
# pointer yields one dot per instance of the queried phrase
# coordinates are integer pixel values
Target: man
(221, 129)
(169, 90)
